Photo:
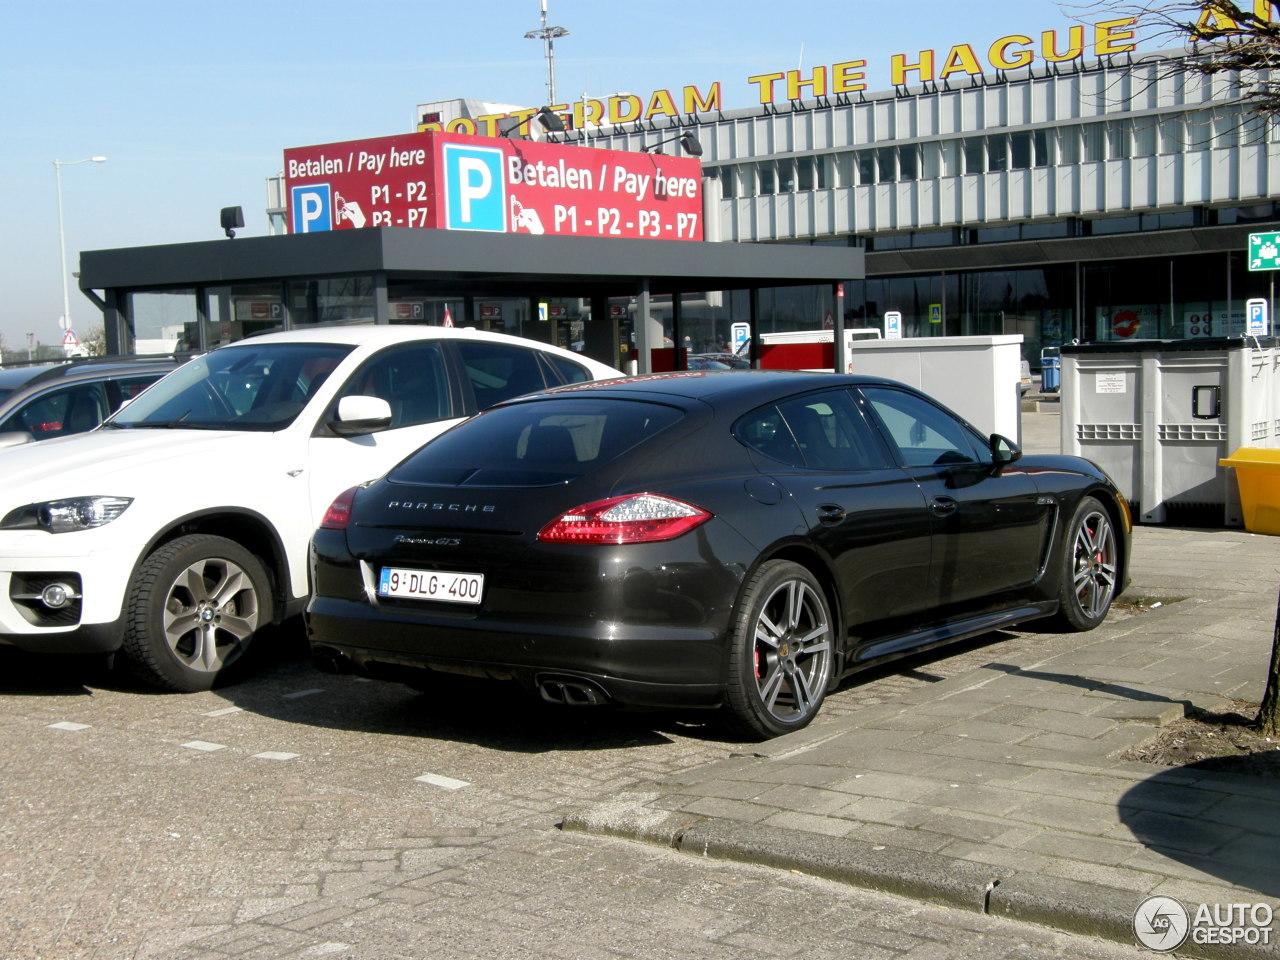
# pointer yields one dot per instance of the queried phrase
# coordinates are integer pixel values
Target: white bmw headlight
(66, 516)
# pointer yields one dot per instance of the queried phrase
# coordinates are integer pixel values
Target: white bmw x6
(180, 527)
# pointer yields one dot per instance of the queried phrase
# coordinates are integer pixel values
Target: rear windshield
(532, 444)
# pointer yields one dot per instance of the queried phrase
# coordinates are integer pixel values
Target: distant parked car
(180, 527)
(46, 400)
(731, 540)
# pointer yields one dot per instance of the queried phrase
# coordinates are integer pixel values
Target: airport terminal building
(1056, 189)
(1085, 200)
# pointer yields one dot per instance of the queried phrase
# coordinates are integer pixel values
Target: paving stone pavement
(303, 815)
(1000, 790)
(307, 816)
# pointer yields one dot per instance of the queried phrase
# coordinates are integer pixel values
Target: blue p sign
(312, 208)
(475, 189)
(1258, 322)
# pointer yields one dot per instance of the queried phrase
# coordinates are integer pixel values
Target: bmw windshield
(260, 387)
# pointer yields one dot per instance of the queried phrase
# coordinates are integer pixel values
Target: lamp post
(62, 237)
(548, 36)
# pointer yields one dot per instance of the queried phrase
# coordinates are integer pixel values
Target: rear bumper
(638, 665)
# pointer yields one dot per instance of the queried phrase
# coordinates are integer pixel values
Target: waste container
(1258, 477)
(1159, 415)
(1050, 370)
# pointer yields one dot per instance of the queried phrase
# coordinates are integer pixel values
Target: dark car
(42, 401)
(739, 540)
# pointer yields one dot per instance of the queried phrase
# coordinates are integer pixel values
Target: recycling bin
(1258, 479)
(1050, 370)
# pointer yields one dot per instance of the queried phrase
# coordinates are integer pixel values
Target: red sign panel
(459, 182)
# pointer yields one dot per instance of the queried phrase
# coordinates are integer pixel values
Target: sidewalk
(1001, 792)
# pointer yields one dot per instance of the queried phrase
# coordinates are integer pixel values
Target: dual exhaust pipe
(564, 691)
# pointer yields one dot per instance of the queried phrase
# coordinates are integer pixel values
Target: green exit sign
(1264, 251)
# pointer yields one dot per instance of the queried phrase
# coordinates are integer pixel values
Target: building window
(1119, 143)
(998, 153)
(866, 160)
(908, 163)
(1040, 148)
(974, 156)
(331, 300)
(160, 321)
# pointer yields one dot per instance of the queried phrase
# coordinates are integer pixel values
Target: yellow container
(1258, 475)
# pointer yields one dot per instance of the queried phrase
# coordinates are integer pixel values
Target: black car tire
(1088, 566)
(195, 607)
(781, 652)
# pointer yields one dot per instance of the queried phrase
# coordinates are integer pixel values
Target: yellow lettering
(430, 128)
(899, 68)
(961, 59)
(489, 124)
(848, 77)
(998, 54)
(765, 82)
(1049, 45)
(1110, 36)
(661, 103)
(461, 125)
(522, 121)
(694, 102)
(587, 111)
(817, 83)
(616, 114)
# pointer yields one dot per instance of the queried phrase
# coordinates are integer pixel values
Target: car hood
(118, 462)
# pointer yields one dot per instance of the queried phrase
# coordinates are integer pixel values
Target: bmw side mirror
(359, 415)
(1003, 450)
(15, 438)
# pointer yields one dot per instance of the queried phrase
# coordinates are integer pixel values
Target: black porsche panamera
(731, 540)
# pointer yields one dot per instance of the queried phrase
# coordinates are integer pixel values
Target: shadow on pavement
(1212, 818)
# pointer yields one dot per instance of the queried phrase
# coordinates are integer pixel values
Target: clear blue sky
(193, 102)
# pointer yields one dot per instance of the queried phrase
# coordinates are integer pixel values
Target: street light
(62, 237)
(687, 140)
(548, 36)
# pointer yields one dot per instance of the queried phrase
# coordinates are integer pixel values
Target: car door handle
(829, 514)
(942, 506)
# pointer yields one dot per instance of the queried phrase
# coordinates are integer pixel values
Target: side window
(569, 371)
(819, 431)
(831, 433)
(498, 371)
(764, 430)
(59, 412)
(130, 387)
(923, 433)
(410, 378)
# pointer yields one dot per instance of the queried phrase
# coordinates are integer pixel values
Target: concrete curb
(1073, 906)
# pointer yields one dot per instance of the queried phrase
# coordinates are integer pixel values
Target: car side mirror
(14, 438)
(1003, 450)
(358, 415)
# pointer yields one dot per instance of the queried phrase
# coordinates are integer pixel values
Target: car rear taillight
(339, 513)
(634, 518)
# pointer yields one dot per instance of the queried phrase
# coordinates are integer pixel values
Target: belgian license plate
(442, 585)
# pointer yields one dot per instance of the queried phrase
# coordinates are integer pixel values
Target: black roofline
(477, 261)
